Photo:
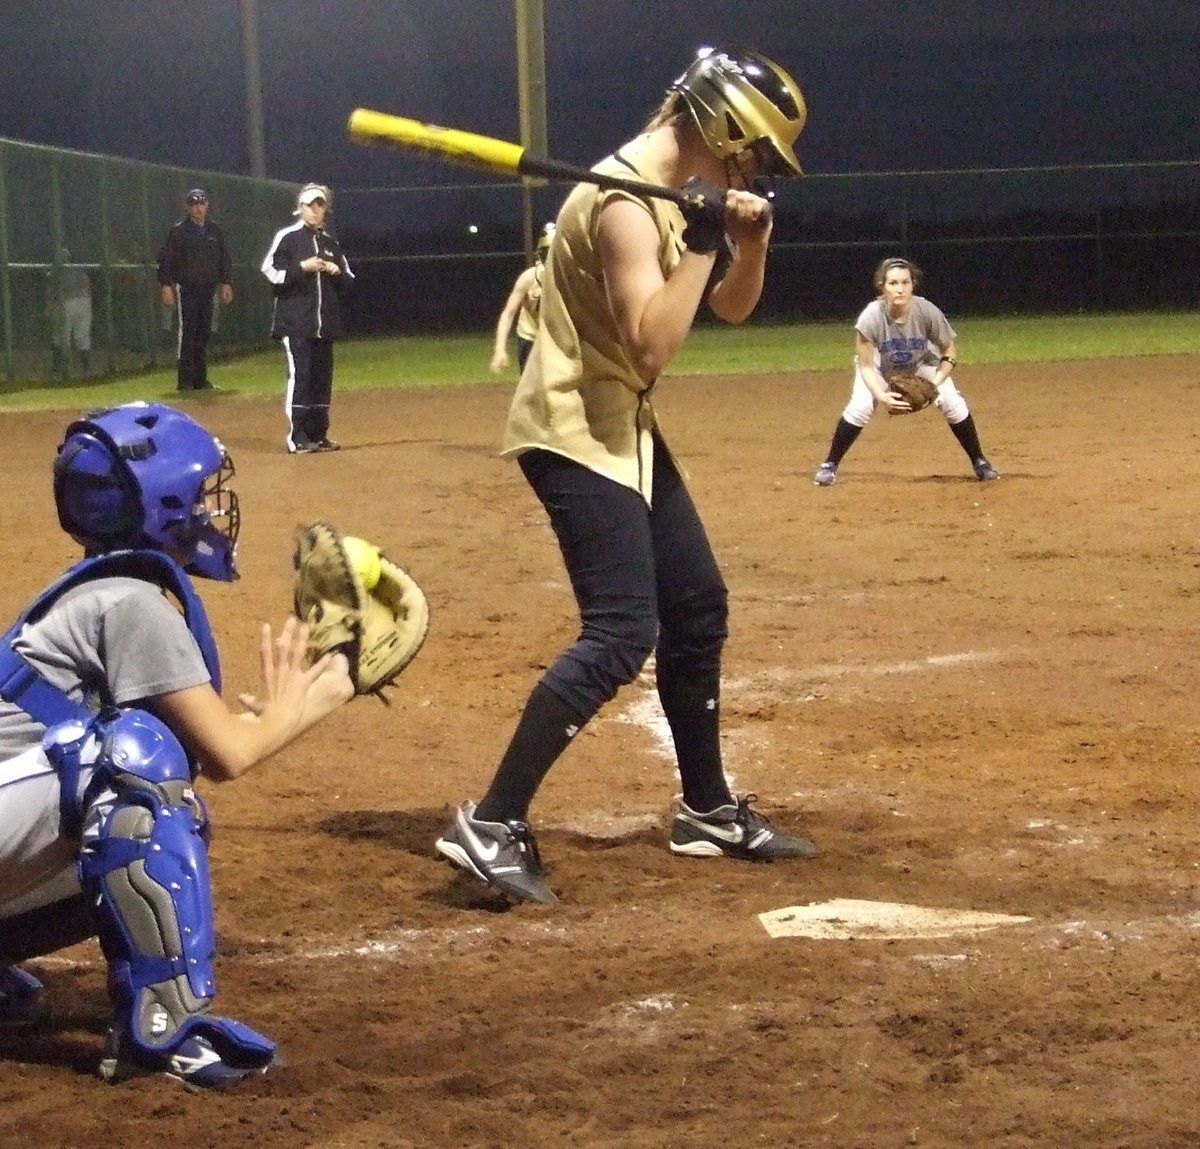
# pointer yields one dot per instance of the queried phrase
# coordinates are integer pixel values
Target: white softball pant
(862, 403)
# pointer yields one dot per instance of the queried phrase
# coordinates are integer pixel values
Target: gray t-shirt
(112, 641)
(907, 343)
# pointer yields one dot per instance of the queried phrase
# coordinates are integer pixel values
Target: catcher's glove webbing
(916, 391)
(358, 601)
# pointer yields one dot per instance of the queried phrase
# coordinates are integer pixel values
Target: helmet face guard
(744, 102)
(147, 475)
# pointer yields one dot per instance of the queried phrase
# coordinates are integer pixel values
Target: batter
(625, 277)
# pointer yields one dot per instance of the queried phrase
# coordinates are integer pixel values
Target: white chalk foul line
(644, 710)
(784, 675)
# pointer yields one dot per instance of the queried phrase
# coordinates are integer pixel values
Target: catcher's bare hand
(291, 683)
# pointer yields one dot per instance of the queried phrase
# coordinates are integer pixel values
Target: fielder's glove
(358, 601)
(704, 214)
(917, 392)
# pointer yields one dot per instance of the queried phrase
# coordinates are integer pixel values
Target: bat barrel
(448, 144)
(467, 149)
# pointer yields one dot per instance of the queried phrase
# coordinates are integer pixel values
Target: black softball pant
(646, 581)
(309, 389)
(194, 307)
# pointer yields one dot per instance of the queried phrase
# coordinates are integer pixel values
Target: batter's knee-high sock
(968, 437)
(545, 730)
(693, 712)
(844, 435)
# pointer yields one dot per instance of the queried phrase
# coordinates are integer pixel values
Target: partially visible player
(110, 707)
(902, 331)
(624, 281)
(522, 305)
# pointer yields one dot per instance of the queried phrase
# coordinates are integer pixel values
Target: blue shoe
(214, 1052)
(984, 471)
(826, 475)
(22, 1001)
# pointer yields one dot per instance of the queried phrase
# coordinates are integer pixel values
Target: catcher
(905, 350)
(110, 710)
(358, 602)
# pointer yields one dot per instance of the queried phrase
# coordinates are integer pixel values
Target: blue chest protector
(22, 685)
(146, 862)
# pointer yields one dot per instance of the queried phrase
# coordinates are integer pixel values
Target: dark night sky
(891, 84)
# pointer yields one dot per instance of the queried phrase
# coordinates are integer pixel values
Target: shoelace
(521, 835)
(747, 817)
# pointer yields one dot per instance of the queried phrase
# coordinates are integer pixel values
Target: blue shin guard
(147, 870)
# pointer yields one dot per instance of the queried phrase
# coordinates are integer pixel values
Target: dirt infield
(972, 696)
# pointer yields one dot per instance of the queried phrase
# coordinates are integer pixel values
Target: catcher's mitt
(917, 392)
(358, 601)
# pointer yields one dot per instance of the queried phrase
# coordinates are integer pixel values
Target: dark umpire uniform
(192, 263)
(307, 317)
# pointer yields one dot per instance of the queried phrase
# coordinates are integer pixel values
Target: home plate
(845, 918)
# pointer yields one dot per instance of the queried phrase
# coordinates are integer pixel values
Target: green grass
(445, 360)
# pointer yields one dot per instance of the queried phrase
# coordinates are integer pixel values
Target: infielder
(900, 331)
(522, 304)
(109, 709)
(624, 279)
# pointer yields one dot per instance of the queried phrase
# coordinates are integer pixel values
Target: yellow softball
(365, 558)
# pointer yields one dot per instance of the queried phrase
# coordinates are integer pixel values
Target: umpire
(309, 273)
(192, 263)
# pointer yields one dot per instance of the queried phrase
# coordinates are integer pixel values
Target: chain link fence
(435, 259)
(1093, 238)
(73, 223)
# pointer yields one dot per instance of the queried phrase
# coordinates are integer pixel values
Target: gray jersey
(108, 642)
(907, 343)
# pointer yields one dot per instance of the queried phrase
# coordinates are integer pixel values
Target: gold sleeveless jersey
(527, 317)
(579, 395)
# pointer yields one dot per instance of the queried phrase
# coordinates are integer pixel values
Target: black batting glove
(704, 213)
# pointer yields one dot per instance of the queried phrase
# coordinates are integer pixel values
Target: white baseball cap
(310, 192)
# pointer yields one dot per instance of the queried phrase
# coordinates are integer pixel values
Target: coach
(309, 273)
(192, 264)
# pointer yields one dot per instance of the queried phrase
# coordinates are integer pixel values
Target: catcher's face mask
(212, 531)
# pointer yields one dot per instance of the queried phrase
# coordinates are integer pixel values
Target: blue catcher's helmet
(147, 475)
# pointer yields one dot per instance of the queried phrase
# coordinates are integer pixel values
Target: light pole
(253, 79)
(531, 82)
